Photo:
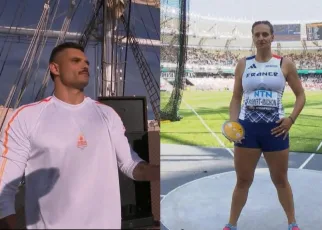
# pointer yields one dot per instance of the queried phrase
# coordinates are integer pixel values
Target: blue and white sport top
(263, 86)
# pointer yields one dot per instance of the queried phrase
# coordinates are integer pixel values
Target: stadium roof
(172, 10)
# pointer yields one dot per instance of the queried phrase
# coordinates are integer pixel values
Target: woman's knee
(280, 180)
(244, 181)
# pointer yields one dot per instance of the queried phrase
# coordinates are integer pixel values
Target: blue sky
(29, 18)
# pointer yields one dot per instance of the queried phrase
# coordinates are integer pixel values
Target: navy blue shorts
(258, 135)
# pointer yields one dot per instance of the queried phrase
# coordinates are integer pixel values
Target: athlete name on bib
(262, 100)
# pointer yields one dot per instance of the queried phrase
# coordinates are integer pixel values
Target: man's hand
(146, 172)
(154, 172)
(9, 222)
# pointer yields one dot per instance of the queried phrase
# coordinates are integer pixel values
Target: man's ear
(54, 68)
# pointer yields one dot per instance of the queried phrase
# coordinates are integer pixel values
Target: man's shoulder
(31, 110)
(105, 108)
(25, 116)
(31, 107)
(108, 113)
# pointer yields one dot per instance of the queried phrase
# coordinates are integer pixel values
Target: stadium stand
(216, 44)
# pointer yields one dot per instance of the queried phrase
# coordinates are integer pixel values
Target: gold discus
(233, 131)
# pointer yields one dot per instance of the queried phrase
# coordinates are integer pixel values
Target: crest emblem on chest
(81, 142)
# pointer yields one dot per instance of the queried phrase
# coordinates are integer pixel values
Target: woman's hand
(283, 128)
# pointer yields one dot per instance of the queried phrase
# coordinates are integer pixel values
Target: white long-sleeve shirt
(70, 155)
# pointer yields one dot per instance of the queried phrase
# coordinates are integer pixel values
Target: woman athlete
(260, 80)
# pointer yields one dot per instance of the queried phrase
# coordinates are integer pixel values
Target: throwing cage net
(174, 39)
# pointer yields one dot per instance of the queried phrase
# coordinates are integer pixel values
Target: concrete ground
(197, 183)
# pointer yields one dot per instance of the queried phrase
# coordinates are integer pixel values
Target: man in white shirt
(70, 148)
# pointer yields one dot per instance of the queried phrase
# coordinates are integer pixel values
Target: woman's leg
(277, 162)
(245, 160)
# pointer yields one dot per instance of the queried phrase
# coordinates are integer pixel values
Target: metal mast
(112, 10)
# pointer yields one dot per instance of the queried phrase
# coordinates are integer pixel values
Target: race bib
(262, 100)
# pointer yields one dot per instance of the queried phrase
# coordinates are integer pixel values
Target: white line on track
(310, 157)
(207, 127)
(307, 161)
(318, 148)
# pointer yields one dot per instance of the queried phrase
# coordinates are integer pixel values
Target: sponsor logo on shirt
(262, 100)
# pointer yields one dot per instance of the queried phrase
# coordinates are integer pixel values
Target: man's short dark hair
(61, 47)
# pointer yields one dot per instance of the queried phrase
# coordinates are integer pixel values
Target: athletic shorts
(258, 135)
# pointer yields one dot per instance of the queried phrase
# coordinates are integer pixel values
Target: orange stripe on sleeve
(6, 135)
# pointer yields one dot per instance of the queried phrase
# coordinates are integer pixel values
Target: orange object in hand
(233, 131)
